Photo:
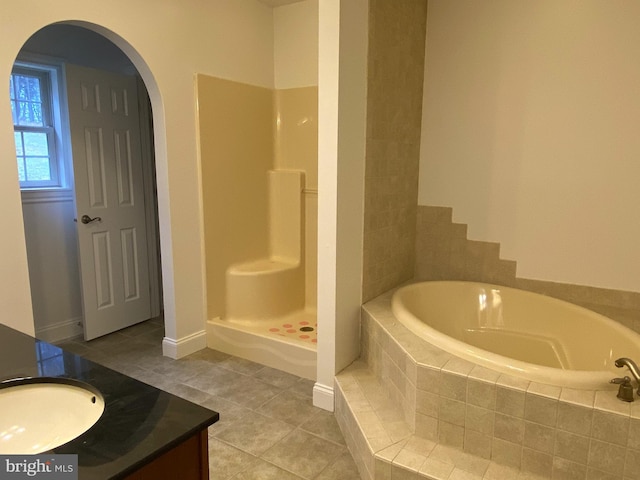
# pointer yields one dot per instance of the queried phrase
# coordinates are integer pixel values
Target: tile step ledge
(384, 446)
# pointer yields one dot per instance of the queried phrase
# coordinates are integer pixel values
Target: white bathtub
(520, 333)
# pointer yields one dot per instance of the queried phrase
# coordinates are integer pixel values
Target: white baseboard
(184, 346)
(323, 397)
(60, 331)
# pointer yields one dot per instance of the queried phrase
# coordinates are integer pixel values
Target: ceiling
(278, 3)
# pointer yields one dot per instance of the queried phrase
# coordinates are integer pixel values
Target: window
(34, 110)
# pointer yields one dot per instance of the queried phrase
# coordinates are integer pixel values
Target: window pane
(22, 84)
(21, 87)
(34, 89)
(35, 143)
(38, 169)
(22, 176)
(30, 114)
(18, 138)
(36, 113)
(31, 101)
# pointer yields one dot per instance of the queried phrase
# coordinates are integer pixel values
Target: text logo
(50, 467)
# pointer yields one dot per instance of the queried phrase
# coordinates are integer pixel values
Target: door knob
(87, 219)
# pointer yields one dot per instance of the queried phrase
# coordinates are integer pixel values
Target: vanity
(143, 433)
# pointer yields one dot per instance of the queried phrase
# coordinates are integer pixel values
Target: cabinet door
(187, 461)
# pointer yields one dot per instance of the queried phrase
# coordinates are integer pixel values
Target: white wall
(168, 42)
(296, 45)
(343, 34)
(53, 266)
(530, 132)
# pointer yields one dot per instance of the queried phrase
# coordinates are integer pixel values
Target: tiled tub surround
(411, 410)
(396, 46)
(443, 252)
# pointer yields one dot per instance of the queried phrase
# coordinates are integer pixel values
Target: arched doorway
(53, 267)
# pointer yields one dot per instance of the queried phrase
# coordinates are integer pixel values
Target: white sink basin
(37, 417)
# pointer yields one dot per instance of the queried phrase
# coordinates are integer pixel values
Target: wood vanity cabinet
(186, 461)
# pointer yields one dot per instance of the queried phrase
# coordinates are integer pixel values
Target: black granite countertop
(139, 423)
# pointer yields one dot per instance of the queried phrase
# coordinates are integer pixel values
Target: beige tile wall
(397, 33)
(443, 252)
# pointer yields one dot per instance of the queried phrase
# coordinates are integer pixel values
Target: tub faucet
(631, 365)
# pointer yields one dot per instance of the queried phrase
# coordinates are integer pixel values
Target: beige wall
(236, 145)
(395, 77)
(168, 42)
(529, 133)
(296, 45)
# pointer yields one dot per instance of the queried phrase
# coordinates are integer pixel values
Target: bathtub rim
(576, 379)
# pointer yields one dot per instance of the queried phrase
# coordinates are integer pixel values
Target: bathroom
(219, 46)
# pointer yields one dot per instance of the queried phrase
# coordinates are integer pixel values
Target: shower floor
(301, 326)
(287, 342)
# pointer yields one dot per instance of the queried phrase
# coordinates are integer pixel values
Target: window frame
(51, 70)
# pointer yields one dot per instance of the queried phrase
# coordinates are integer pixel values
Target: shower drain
(306, 329)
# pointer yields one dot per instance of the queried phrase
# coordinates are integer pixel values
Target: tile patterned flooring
(268, 427)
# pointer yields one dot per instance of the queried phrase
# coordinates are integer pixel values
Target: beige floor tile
(209, 355)
(254, 433)
(343, 468)
(324, 425)
(262, 470)
(248, 391)
(229, 412)
(275, 377)
(303, 454)
(113, 342)
(181, 370)
(289, 407)
(188, 393)
(225, 461)
(213, 381)
(303, 386)
(140, 329)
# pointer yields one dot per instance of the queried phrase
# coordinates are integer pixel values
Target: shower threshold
(287, 343)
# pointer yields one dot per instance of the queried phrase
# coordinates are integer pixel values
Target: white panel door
(105, 143)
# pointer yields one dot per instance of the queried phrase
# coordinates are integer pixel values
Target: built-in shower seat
(273, 286)
(264, 288)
